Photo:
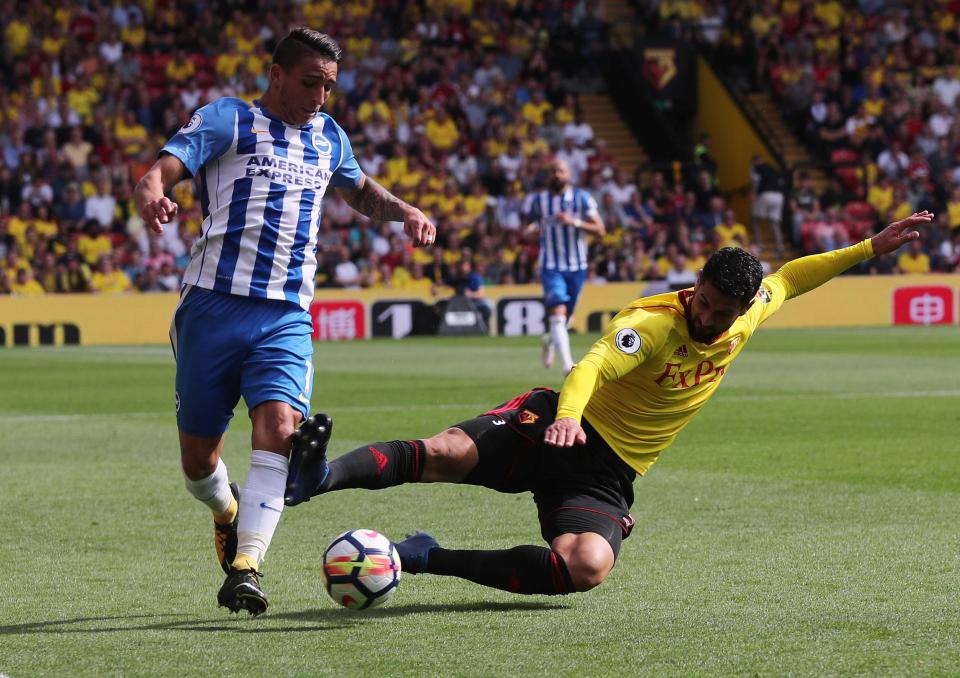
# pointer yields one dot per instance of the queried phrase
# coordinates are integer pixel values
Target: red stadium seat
(841, 157)
(859, 210)
(806, 235)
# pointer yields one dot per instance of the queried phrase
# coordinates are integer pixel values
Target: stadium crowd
(873, 88)
(454, 105)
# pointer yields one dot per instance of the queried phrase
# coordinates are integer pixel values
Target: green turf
(805, 523)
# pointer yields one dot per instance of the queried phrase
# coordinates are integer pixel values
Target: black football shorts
(584, 488)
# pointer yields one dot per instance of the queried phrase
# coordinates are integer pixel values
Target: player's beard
(557, 186)
(699, 333)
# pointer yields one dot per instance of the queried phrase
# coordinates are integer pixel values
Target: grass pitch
(805, 523)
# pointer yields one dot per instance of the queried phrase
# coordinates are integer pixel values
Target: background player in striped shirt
(564, 215)
(242, 326)
(579, 451)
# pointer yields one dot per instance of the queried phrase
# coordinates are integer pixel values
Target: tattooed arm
(373, 200)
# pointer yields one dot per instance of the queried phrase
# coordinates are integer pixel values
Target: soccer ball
(361, 569)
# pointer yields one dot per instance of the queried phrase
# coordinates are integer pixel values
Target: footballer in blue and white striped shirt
(242, 326)
(564, 215)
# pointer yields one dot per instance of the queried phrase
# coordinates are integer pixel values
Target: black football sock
(522, 569)
(373, 467)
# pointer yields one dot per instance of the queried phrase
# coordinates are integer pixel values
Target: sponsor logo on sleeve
(628, 341)
(763, 294)
(193, 124)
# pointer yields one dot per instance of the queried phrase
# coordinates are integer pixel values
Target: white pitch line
(54, 418)
(482, 407)
(865, 395)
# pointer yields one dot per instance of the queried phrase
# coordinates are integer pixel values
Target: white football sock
(214, 490)
(261, 503)
(558, 332)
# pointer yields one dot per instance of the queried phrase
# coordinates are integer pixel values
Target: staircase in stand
(602, 115)
(796, 155)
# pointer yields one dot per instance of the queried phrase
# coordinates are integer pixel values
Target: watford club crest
(527, 417)
(659, 66)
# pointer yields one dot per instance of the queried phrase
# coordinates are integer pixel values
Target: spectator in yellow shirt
(442, 131)
(228, 61)
(94, 244)
(82, 98)
(180, 69)
(730, 232)
(130, 134)
(25, 285)
(134, 34)
(17, 36)
(17, 225)
(451, 199)
(396, 164)
(536, 108)
(13, 264)
(764, 22)
(414, 280)
(53, 42)
(109, 280)
(953, 209)
(915, 260)
(829, 12)
(475, 204)
(533, 143)
(373, 103)
(880, 195)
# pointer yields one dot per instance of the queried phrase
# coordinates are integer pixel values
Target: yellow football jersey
(646, 378)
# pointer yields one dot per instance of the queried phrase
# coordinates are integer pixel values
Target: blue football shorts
(562, 288)
(226, 346)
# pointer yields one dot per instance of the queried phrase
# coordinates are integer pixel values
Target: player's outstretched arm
(373, 200)
(899, 233)
(807, 273)
(156, 209)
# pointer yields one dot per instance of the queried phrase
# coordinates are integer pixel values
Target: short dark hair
(734, 272)
(302, 42)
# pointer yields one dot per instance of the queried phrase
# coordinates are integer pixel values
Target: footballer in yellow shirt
(579, 451)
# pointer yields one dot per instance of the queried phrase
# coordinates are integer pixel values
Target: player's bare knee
(448, 456)
(199, 455)
(273, 427)
(588, 568)
(197, 468)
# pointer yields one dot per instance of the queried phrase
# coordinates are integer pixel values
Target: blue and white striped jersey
(563, 247)
(260, 182)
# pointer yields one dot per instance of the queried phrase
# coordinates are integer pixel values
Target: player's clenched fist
(156, 213)
(420, 229)
(564, 432)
